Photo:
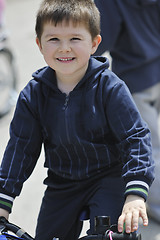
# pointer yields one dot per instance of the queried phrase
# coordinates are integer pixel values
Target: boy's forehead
(64, 25)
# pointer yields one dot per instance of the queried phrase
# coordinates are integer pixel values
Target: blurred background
(20, 22)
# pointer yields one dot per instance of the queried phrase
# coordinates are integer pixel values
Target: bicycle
(8, 76)
(103, 231)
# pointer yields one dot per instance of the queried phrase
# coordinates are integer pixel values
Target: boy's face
(67, 48)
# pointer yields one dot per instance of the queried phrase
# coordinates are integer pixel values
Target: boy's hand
(134, 208)
(4, 213)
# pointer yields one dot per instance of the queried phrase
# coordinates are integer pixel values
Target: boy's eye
(75, 39)
(53, 39)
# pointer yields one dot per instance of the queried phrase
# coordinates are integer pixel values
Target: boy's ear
(39, 44)
(95, 43)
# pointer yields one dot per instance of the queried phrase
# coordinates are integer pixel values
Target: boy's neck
(66, 86)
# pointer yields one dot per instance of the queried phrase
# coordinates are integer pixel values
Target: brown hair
(78, 11)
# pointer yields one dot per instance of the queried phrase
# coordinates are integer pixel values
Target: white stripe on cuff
(6, 197)
(138, 183)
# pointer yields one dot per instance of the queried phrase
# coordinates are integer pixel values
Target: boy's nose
(65, 47)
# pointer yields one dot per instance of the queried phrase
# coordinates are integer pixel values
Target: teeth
(65, 59)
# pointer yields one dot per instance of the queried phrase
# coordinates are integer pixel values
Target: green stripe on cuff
(137, 189)
(6, 204)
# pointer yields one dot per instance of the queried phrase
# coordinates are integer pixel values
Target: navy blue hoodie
(130, 31)
(94, 131)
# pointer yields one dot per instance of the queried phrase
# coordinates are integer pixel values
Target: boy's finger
(144, 218)
(121, 221)
(128, 222)
(135, 219)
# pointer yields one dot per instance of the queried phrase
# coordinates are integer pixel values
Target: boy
(97, 147)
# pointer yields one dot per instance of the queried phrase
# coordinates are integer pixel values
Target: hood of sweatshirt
(96, 66)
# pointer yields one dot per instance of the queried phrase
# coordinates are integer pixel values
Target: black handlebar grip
(123, 236)
(115, 236)
(7, 226)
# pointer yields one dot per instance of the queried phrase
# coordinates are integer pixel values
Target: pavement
(20, 21)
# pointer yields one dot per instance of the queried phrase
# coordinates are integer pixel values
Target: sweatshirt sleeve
(132, 138)
(22, 151)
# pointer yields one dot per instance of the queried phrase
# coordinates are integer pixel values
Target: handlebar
(7, 226)
(102, 231)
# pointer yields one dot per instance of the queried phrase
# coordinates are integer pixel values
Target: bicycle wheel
(8, 80)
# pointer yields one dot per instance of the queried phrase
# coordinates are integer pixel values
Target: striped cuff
(6, 202)
(139, 188)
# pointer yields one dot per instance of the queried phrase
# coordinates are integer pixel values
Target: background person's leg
(148, 103)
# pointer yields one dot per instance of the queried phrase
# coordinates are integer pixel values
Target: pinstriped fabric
(20, 165)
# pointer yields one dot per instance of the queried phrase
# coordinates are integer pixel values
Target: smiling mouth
(66, 59)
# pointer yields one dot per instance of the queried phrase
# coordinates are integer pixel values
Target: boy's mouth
(68, 59)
